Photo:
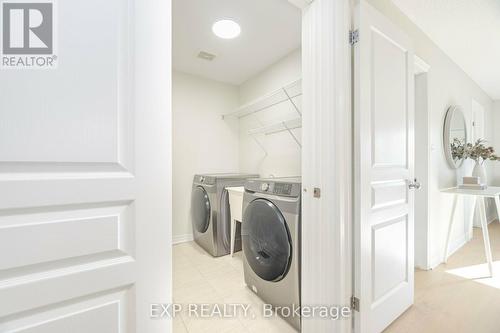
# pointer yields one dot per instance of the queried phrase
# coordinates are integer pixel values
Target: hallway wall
(448, 85)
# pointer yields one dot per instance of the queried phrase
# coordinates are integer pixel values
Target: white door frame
(326, 160)
(422, 167)
(153, 101)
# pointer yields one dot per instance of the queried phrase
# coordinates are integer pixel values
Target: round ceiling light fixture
(226, 29)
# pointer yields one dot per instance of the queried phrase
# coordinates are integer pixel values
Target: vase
(480, 171)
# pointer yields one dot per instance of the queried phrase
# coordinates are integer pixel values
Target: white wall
(495, 176)
(202, 141)
(205, 143)
(477, 113)
(275, 76)
(448, 85)
(422, 153)
(283, 154)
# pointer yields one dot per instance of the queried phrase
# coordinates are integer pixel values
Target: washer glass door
(266, 240)
(200, 209)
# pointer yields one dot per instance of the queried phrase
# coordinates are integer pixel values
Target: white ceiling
(270, 29)
(468, 31)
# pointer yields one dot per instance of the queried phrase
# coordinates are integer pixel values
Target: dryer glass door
(200, 209)
(266, 240)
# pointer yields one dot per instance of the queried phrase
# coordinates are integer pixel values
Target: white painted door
(384, 169)
(85, 175)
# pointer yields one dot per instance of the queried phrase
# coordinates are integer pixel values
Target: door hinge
(355, 303)
(353, 36)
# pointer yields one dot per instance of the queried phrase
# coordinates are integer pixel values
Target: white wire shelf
(285, 93)
(277, 127)
(282, 126)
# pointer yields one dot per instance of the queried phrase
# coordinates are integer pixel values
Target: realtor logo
(28, 34)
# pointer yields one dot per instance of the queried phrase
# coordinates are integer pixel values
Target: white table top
(491, 191)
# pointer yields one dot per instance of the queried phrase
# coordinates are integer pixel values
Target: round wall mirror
(455, 135)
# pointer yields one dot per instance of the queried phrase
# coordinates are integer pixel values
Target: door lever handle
(414, 185)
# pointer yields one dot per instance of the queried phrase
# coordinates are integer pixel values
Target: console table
(477, 196)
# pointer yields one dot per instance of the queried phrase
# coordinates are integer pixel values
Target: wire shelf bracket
(281, 126)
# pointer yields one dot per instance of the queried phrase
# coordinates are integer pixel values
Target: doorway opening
(237, 157)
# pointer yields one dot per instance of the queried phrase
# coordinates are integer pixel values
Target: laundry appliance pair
(210, 214)
(270, 232)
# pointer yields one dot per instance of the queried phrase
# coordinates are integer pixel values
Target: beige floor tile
(243, 296)
(276, 325)
(178, 325)
(227, 284)
(202, 292)
(200, 278)
(214, 325)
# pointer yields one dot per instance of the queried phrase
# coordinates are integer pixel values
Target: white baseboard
(422, 267)
(182, 238)
(455, 245)
(490, 219)
(491, 216)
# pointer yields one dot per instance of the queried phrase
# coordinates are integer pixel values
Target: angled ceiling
(270, 29)
(468, 31)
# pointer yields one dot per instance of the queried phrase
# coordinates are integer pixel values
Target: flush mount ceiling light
(226, 29)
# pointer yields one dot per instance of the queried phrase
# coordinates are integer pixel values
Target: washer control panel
(205, 180)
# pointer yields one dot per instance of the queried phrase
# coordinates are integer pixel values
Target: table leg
(497, 205)
(486, 236)
(233, 236)
(471, 217)
(450, 227)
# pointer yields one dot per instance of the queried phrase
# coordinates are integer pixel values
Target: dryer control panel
(282, 188)
(274, 186)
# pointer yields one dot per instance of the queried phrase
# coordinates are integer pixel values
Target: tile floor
(200, 278)
(456, 297)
